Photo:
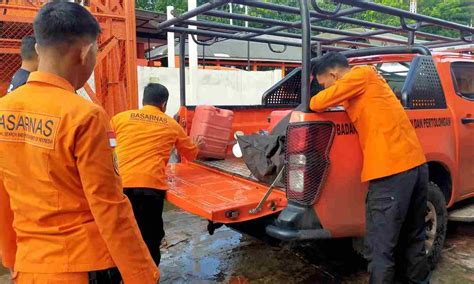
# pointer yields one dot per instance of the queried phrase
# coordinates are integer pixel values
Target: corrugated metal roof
(237, 50)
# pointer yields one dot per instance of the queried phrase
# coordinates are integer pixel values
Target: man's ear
(334, 73)
(36, 48)
(85, 51)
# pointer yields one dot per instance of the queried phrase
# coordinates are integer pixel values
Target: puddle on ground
(229, 257)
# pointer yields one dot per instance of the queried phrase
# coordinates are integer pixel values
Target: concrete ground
(191, 255)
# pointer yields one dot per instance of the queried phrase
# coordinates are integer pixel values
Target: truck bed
(233, 166)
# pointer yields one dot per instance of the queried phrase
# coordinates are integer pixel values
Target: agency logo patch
(148, 118)
(30, 128)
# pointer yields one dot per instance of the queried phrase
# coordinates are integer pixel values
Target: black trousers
(147, 206)
(395, 227)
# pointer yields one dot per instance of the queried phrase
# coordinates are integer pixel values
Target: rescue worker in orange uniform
(394, 165)
(63, 215)
(29, 63)
(145, 139)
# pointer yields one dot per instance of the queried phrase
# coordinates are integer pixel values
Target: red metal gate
(115, 75)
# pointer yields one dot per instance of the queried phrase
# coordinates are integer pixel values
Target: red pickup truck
(324, 197)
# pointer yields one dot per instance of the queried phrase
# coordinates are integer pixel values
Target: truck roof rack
(217, 29)
(300, 33)
(418, 49)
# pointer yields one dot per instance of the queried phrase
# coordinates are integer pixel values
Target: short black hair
(155, 94)
(330, 60)
(61, 22)
(28, 51)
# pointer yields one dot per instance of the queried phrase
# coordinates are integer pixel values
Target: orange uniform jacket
(145, 139)
(68, 211)
(388, 140)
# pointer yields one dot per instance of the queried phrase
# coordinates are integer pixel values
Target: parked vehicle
(323, 197)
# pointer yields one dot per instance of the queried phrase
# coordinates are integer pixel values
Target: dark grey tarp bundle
(264, 155)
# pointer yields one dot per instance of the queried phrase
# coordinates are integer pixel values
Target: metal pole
(149, 52)
(192, 45)
(170, 39)
(203, 57)
(411, 37)
(246, 13)
(306, 55)
(248, 55)
(230, 11)
(182, 69)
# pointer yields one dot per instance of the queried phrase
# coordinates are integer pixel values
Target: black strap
(106, 276)
(141, 191)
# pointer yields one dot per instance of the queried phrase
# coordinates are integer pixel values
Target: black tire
(435, 236)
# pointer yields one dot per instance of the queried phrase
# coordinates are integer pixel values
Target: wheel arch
(441, 176)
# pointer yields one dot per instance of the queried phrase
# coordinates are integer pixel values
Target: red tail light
(307, 155)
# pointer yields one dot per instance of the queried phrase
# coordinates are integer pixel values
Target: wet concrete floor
(191, 255)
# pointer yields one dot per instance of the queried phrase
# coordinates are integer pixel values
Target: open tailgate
(218, 196)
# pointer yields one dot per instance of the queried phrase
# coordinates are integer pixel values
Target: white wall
(215, 87)
(82, 92)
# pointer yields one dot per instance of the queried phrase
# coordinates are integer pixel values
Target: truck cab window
(395, 73)
(463, 76)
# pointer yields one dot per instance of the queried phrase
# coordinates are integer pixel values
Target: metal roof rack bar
(448, 44)
(193, 13)
(272, 22)
(337, 18)
(209, 33)
(296, 24)
(388, 28)
(209, 24)
(291, 10)
(387, 50)
(371, 35)
(405, 14)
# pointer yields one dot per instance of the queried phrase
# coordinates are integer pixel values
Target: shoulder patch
(112, 139)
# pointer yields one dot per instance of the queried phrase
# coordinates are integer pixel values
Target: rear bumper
(297, 235)
(297, 222)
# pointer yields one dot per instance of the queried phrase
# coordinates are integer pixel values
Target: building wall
(214, 87)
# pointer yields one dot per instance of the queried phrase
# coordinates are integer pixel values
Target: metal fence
(115, 75)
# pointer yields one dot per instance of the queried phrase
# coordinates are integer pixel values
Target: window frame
(455, 81)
